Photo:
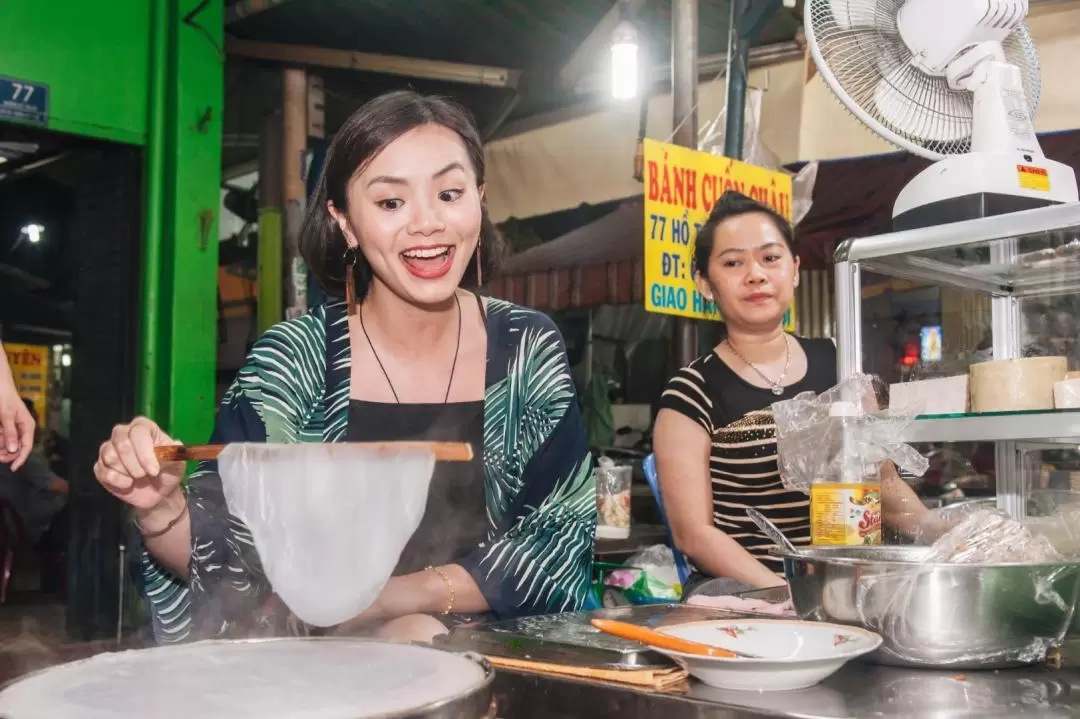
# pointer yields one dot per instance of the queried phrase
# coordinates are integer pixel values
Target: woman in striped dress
(714, 438)
(396, 226)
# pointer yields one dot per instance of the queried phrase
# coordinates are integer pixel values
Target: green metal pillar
(738, 58)
(747, 20)
(183, 176)
(270, 251)
(156, 172)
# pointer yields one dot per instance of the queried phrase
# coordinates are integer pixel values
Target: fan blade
(922, 108)
(850, 15)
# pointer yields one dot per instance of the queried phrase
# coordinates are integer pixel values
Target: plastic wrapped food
(613, 499)
(647, 577)
(988, 536)
(329, 521)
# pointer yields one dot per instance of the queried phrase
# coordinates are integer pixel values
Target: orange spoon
(660, 640)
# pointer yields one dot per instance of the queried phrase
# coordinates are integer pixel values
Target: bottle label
(845, 514)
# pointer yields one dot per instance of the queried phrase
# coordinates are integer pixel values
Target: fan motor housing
(967, 187)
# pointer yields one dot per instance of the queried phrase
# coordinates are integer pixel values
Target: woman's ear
(703, 287)
(480, 190)
(343, 224)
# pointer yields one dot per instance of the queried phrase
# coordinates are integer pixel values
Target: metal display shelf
(1057, 426)
(1034, 253)
(1029, 254)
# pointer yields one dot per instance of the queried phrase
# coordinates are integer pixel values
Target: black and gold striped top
(742, 463)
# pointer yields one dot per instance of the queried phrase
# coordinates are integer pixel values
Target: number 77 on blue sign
(22, 101)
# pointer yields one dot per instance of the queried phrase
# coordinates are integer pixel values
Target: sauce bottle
(845, 507)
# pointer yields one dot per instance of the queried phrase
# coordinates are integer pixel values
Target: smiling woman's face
(751, 273)
(414, 213)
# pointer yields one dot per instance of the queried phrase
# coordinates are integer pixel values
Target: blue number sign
(24, 101)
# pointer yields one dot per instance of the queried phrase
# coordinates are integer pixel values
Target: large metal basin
(937, 615)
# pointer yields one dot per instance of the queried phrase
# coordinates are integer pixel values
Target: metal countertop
(859, 691)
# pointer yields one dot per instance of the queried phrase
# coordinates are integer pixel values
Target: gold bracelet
(165, 529)
(449, 588)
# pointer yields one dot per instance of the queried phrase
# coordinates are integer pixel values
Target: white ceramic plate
(790, 654)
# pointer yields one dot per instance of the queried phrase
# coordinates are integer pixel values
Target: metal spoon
(771, 530)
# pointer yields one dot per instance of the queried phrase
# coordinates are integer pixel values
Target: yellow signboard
(681, 187)
(30, 368)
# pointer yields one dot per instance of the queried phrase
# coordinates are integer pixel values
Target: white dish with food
(774, 654)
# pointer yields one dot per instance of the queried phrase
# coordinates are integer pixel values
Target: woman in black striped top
(714, 438)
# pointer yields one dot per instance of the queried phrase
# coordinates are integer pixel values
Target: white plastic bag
(755, 152)
(329, 521)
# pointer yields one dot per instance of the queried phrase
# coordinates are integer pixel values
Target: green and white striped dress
(539, 488)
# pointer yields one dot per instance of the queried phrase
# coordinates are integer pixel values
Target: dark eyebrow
(740, 250)
(387, 179)
(450, 168)
(390, 180)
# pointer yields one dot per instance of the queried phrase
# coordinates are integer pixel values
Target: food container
(613, 499)
(941, 395)
(959, 616)
(269, 679)
(1067, 394)
(1015, 385)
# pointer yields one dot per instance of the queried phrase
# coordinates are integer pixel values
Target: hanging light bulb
(624, 61)
(33, 232)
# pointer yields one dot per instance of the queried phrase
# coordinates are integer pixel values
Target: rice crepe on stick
(329, 521)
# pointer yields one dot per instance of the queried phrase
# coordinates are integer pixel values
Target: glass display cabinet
(1012, 283)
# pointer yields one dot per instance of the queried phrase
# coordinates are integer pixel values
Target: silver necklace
(777, 385)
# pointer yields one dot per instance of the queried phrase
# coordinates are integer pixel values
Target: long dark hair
(364, 135)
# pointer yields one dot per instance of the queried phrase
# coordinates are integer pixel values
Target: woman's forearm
(424, 592)
(427, 592)
(718, 555)
(169, 545)
(901, 509)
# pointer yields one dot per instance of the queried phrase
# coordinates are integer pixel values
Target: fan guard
(860, 54)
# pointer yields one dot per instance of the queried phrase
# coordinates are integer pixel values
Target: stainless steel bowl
(960, 616)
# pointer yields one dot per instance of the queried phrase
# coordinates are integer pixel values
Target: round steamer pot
(301, 678)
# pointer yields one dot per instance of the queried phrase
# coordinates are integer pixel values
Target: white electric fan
(955, 81)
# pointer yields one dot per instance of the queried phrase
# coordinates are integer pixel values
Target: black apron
(455, 519)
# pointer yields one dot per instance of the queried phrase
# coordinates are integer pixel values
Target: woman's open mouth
(430, 262)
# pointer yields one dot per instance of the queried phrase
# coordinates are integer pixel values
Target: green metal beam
(191, 263)
(183, 173)
(270, 252)
(156, 171)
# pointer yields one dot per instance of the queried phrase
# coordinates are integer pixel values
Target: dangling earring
(350, 280)
(479, 269)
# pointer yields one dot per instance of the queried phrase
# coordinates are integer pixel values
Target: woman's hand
(128, 469)
(16, 423)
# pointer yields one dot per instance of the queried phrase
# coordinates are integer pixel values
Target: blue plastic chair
(648, 465)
